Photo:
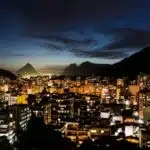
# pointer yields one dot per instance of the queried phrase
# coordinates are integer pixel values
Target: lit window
(11, 115)
(102, 131)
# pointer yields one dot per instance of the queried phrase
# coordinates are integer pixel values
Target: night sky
(59, 32)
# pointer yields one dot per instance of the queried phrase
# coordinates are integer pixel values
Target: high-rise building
(118, 93)
(47, 113)
(134, 89)
(62, 110)
(9, 99)
(144, 138)
(143, 81)
(22, 115)
(7, 125)
(144, 102)
(42, 111)
(119, 85)
(141, 101)
(88, 110)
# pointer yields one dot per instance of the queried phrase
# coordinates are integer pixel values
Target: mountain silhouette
(87, 68)
(27, 70)
(130, 66)
(8, 74)
(133, 65)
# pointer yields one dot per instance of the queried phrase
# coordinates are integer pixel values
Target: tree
(4, 143)
(87, 145)
(31, 99)
(41, 137)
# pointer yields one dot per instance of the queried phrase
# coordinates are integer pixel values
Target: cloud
(52, 47)
(125, 42)
(63, 39)
(102, 54)
(58, 43)
(52, 20)
(128, 38)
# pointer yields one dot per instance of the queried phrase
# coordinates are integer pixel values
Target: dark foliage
(4, 143)
(42, 137)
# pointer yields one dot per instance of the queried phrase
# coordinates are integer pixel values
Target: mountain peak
(28, 65)
(87, 68)
(86, 63)
(27, 70)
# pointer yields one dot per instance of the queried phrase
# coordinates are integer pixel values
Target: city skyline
(58, 33)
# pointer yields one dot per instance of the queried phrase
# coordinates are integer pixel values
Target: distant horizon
(15, 67)
(54, 67)
(48, 68)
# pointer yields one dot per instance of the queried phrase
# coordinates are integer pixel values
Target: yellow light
(93, 131)
(133, 141)
(80, 142)
(102, 131)
(120, 139)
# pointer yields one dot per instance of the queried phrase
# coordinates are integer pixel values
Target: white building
(7, 125)
(10, 99)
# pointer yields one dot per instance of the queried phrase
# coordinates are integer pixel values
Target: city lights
(100, 109)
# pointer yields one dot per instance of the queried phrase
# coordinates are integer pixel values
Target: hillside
(131, 66)
(8, 74)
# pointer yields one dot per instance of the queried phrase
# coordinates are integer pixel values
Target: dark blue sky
(59, 32)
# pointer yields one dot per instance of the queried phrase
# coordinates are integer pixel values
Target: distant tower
(134, 89)
(141, 99)
(120, 84)
(144, 104)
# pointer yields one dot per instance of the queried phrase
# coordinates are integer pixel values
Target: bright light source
(105, 114)
(93, 140)
(88, 109)
(88, 98)
(134, 103)
(116, 133)
(129, 130)
(127, 102)
(135, 113)
(102, 131)
(119, 130)
(11, 115)
(112, 123)
(140, 121)
(116, 118)
(80, 142)
(93, 131)
(72, 137)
